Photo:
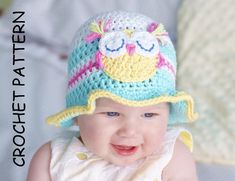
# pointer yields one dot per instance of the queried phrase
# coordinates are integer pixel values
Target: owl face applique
(127, 55)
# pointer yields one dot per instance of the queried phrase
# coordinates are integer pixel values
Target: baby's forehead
(107, 102)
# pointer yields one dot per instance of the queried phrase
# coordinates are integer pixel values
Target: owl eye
(146, 44)
(145, 49)
(113, 44)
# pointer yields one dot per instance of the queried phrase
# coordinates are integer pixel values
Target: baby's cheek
(94, 135)
(153, 140)
(90, 140)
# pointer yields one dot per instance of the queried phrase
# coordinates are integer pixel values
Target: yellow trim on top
(97, 28)
(89, 109)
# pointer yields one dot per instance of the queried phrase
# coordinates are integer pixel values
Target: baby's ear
(77, 121)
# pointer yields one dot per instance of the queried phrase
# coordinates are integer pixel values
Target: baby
(121, 94)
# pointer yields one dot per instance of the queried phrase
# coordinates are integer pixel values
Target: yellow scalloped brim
(72, 112)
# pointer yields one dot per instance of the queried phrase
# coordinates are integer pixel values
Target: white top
(72, 161)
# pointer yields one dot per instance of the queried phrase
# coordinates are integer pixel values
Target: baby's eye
(146, 44)
(113, 44)
(112, 114)
(149, 115)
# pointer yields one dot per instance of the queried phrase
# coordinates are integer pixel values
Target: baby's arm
(39, 166)
(182, 166)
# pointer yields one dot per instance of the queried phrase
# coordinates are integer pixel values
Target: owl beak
(130, 49)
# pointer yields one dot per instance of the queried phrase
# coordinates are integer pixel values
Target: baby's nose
(128, 129)
(130, 49)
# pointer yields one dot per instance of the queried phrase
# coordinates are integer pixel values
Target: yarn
(126, 57)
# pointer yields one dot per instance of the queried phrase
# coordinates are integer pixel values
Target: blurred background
(203, 33)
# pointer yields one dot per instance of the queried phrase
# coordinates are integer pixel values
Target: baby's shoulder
(182, 165)
(39, 165)
(42, 155)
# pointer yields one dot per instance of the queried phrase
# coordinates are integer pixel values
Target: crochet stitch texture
(126, 57)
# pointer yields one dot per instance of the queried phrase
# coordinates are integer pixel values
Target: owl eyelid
(147, 50)
(117, 49)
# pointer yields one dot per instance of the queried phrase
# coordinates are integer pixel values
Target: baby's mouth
(125, 150)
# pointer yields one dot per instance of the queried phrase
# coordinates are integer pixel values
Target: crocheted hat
(126, 57)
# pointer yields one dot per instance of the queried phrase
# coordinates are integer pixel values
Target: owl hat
(128, 58)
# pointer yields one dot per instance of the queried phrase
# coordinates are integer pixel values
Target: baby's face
(121, 134)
